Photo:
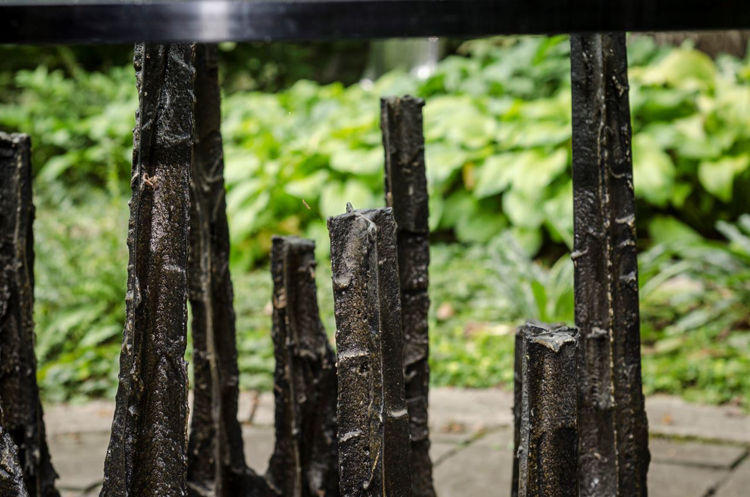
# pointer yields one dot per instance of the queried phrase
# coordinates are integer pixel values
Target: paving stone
(78, 436)
(440, 450)
(258, 447)
(738, 483)
(673, 416)
(262, 410)
(78, 458)
(501, 439)
(475, 470)
(469, 410)
(695, 453)
(672, 480)
(89, 417)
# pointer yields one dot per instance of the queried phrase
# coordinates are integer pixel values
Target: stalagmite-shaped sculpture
(517, 404)
(216, 462)
(548, 435)
(147, 454)
(304, 462)
(19, 392)
(11, 474)
(373, 430)
(614, 454)
(406, 193)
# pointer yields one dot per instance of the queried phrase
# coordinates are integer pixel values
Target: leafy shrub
(497, 126)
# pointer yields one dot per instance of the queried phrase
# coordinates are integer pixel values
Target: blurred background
(301, 138)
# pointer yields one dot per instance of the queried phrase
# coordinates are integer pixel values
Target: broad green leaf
(669, 230)
(718, 177)
(653, 171)
(529, 172)
(308, 186)
(558, 214)
(479, 227)
(524, 211)
(358, 161)
(682, 68)
(442, 163)
(335, 196)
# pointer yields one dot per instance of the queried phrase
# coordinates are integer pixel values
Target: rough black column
(373, 424)
(216, 462)
(517, 404)
(406, 193)
(18, 387)
(304, 462)
(147, 454)
(548, 426)
(11, 474)
(614, 454)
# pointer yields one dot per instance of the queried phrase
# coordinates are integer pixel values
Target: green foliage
(695, 306)
(80, 267)
(696, 327)
(497, 128)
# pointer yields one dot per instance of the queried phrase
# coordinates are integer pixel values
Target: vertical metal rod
(517, 404)
(11, 474)
(548, 445)
(373, 433)
(216, 461)
(147, 454)
(614, 454)
(406, 193)
(304, 462)
(19, 391)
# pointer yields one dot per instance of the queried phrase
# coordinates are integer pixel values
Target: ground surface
(696, 450)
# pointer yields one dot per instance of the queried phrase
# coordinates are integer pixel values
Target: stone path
(696, 450)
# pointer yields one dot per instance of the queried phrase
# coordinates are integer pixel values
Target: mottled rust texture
(11, 474)
(548, 434)
(147, 454)
(19, 393)
(614, 454)
(215, 433)
(406, 193)
(373, 424)
(304, 461)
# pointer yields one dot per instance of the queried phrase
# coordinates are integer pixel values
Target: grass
(695, 307)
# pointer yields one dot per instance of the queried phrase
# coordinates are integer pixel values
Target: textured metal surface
(406, 193)
(11, 475)
(147, 454)
(216, 462)
(39, 21)
(19, 393)
(614, 455)
(547, 420)
(373, 423)
(304, 462)
(517, 404)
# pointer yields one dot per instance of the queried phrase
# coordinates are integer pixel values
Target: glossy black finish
(38, 21)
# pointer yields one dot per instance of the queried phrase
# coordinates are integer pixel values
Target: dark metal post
(517, 403)
(18, 387)
(11, 474)
(614, 454)
(373, 433)
(147, 454)
(304, 462)
(216, 462)
(406, 193)
(548, 446)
